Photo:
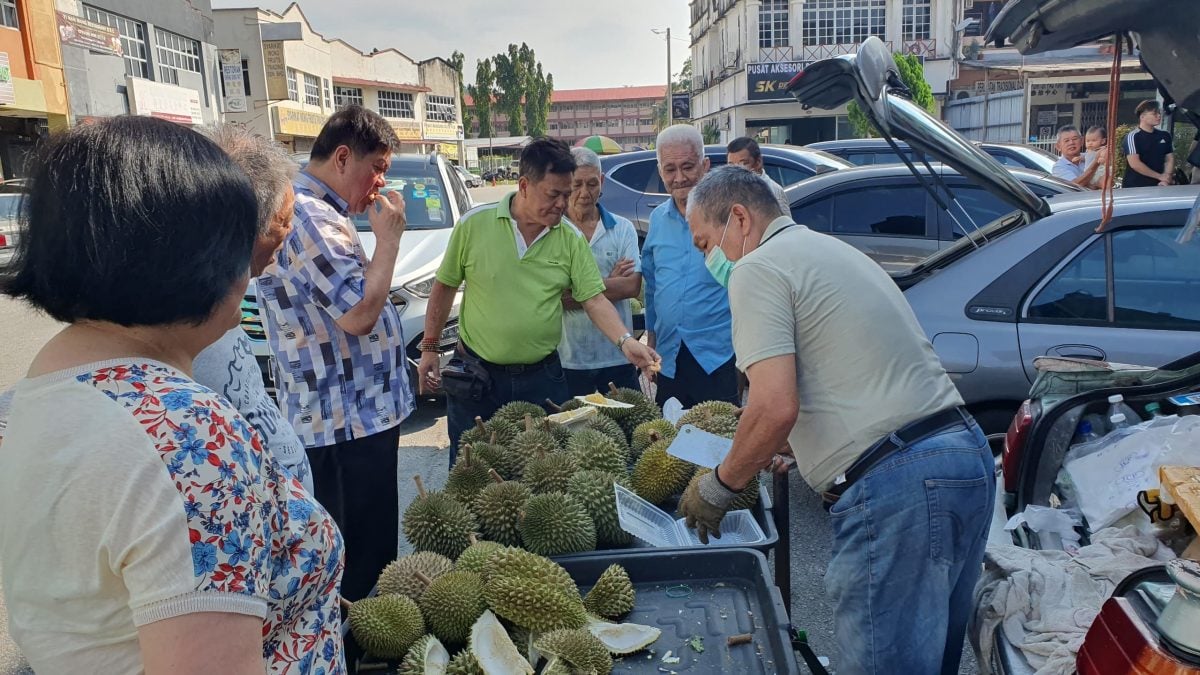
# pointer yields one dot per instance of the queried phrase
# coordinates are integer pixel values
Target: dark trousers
(534, 383)
(691, 385)
(356, 482)
(584, 382)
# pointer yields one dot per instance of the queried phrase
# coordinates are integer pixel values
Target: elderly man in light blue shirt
(687, 311)
(590, 360)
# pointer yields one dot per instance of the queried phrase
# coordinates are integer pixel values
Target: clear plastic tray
(654, 527)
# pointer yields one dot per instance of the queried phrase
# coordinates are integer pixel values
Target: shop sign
(292, 122)
(233, 78)
(407, 130)
(79, 32)
(448, 149)
(442, 131)
(276, 70)
(165, 101)
(8, 95)
(769, 81)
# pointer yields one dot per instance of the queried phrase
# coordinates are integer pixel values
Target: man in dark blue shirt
(1149, 150)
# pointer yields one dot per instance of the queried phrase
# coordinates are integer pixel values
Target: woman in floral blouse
(143, 528)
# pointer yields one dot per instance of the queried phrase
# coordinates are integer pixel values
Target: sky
(589, 43)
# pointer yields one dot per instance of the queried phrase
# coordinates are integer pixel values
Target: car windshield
(963, 246)
(426, 203)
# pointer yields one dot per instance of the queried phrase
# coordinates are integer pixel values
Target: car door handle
(1079, 352)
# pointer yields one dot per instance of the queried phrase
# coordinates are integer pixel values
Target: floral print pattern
(253, 529)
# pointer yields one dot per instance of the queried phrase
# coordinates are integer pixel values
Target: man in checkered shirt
(336, 338)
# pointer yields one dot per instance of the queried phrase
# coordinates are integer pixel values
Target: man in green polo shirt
(517, 257)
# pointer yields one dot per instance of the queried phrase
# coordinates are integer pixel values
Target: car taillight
(3, 241)
(1014, 443)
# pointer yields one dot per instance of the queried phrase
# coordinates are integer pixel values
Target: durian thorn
(472, 538)
(344, 603)
(612, 387)
(479, 424)
(495, 476)
(420, 486)
(421, 577)
(553, 406)
(528, 423)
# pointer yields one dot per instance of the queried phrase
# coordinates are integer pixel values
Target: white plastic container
(655, 528)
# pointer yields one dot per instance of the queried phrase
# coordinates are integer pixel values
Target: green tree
(457, 60)
(683, 83)
(711, 132)
(482, 93)
(913, 76)
(510, 89)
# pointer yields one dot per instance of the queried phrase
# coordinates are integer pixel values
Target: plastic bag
(673, 410)
(1045, 520)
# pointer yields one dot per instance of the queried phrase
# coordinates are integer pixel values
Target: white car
(435, 198)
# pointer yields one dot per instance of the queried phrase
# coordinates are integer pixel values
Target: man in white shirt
(745, 152)
(1071, 165)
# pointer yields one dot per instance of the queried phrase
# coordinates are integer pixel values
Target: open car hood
(871, 78)
(1166, 32)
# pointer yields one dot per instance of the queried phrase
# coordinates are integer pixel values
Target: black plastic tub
(704, 597)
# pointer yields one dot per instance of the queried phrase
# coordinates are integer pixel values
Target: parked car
(10, 204)
(885, 212)
(633, 189)
(469, 179)
(1040, 280)
(435, 198)
(866, 151)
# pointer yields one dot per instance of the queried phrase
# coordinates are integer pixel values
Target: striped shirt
(334, 386)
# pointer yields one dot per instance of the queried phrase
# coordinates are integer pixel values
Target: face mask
(718, 264)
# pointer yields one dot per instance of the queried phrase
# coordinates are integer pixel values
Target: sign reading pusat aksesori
(769, 81)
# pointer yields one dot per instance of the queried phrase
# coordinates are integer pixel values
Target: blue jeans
(908, 541)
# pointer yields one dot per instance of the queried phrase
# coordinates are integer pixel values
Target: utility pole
(670, 110)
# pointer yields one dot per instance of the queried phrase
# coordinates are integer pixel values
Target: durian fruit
(468, 477)
(451, 605)
(477, 555)
(555, 523)
(746, 499)
(574, 651)
(561, 433)
(534, 604)
(436, 522)
(495, 456)
(658, 475)
(464, 663)
(518, 563)
(594, 450)
(386, 626)
(514, 412)
(623, 638)
(719, 424)
(427, 656)
(612, 596)
(643, 409)
(499, 507)
(648, 433)
(594, 489)
(493, 431)
(400, 576)
(530, 444)
(550, 473)
(607, 427)
(703, 411)
(494, 650)
(569, 405)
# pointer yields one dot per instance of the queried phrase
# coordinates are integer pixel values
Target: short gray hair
(680, 134)
(586, 157)
(264, 162)
(716, 193)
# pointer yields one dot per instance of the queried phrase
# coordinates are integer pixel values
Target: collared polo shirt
(684, 304)
(1066, 169)
(334, 386)
(583, 346)
(512, 305)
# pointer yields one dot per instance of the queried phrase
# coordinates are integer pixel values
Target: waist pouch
(465, 377)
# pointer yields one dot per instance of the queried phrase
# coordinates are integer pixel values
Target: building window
(773, 23)
(175, 53)
(8, 13)
(839, 22)
(293, 89)
(916, 20)
(344, 96)
(645, 122)
(440, 108)
(326, 93)
(245, 76)
(396, 104)
(312, 90)
(133, 39)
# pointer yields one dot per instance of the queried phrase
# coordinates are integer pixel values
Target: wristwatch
(621, 340)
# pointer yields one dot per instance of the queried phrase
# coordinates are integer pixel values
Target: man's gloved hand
(704, 504)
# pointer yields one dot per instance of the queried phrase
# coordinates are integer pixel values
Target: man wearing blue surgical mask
(841, 371)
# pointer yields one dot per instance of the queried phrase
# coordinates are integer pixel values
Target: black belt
(908, 435)
(515, 369)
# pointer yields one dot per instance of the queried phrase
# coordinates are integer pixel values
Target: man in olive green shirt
(517, 257)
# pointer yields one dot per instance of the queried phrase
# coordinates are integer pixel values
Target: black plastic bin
(712, 594)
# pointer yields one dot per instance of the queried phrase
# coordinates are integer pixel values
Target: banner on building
(407, 130)
(165, 101)
(442, 131)
(233, 80)
(79, 32)
(302, 123)
(681, 106)
(450, 150)
(276, 70)
(769, 81)
(8, 95)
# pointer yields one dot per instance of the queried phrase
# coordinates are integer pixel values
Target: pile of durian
(502, 609)
(523, 480)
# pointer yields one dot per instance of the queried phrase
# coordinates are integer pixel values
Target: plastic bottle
(1086, 433)
(1116, 404)
(1118, 421)
(1154, 410)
